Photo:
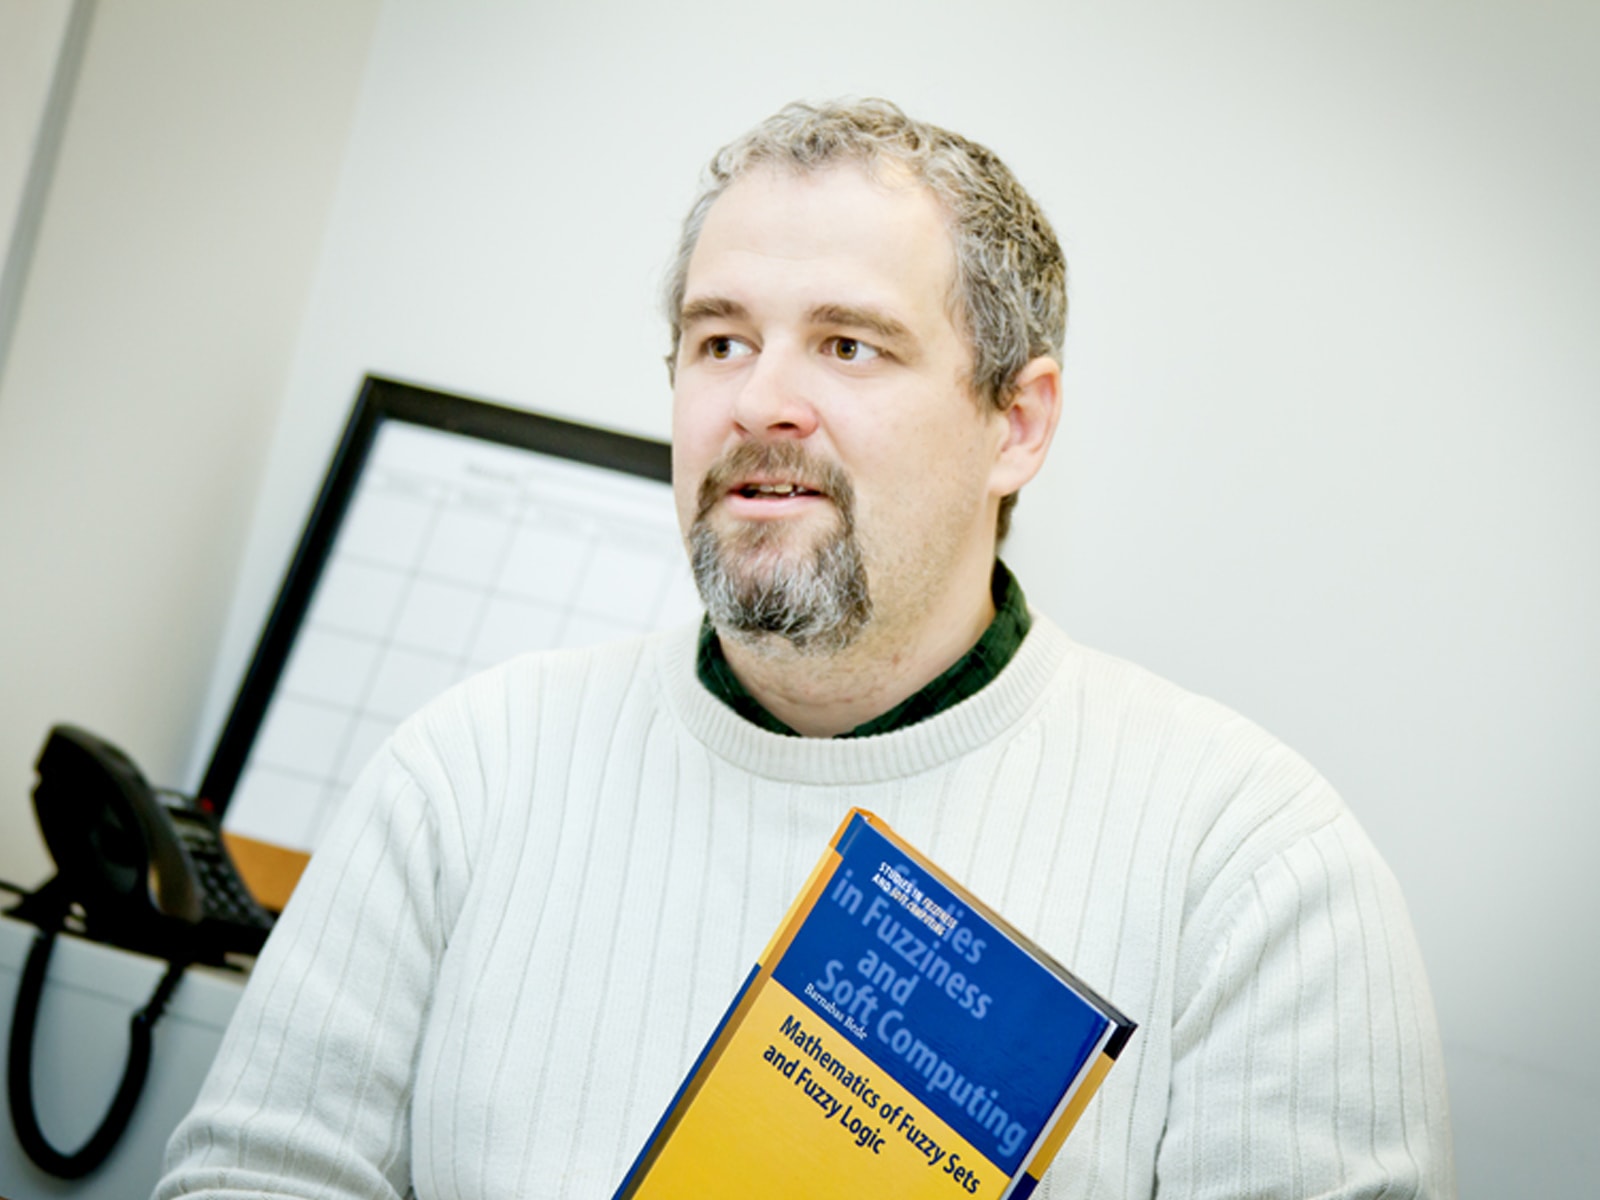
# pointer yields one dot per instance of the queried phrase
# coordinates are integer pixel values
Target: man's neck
(826, 695)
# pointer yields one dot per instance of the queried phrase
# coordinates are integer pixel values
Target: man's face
(831, 466)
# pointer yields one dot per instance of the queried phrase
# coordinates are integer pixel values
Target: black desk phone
(148, 875)
(134, 871)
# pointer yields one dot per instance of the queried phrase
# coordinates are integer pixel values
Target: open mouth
(772, 480)
(757, 491)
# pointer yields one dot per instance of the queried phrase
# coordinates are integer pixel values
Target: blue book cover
(896, 1033)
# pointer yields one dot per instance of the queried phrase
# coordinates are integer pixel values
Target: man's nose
(774, 401)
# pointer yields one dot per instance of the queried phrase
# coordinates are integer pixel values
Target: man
(547, 886)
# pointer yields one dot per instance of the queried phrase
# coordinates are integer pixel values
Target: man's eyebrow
(871, 319)
(712, 308)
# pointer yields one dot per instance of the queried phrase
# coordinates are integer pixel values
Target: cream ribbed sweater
(539, 898)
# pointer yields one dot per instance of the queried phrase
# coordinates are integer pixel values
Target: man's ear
(1030, 424)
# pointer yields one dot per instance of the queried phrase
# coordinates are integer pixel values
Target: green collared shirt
(973, 671)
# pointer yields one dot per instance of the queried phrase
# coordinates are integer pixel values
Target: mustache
(789, 460)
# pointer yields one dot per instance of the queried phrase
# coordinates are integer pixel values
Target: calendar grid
(455, 554)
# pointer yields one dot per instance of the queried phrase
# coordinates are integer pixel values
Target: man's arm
(310, 1094)
(1307, 1060)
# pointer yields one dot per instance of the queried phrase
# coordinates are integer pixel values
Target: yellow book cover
(897, 1037)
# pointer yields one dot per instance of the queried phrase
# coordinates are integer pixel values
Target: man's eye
(723, 347)
(848, 349)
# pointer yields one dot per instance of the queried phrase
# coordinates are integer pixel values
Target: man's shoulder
(1129, 707)
(1118, 688)
(528, 683)
(1232, 796)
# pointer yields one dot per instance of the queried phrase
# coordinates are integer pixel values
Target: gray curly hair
(1010, 293)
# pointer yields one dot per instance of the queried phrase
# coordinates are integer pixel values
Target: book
(896, 1038)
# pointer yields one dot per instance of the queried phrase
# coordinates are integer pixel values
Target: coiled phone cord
(19, 1078)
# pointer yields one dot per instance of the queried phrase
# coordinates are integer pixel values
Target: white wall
(148, 362)
(1331, 381)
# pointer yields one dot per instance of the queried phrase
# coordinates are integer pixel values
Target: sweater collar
(967, 676)
(973, 722)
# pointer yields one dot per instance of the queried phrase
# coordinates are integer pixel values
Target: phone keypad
(223, 895)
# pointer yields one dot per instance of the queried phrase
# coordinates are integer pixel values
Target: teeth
(773, 489)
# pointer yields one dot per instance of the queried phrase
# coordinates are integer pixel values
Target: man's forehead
(862, 242)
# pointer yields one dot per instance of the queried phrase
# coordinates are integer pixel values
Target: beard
(756, 584)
